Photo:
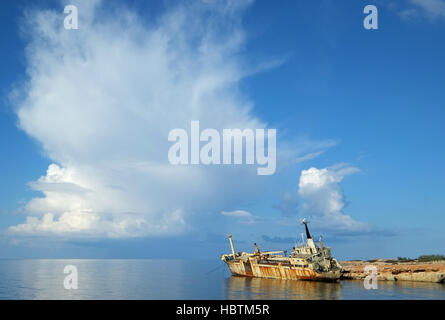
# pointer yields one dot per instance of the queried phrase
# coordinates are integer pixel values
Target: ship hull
(279, 271)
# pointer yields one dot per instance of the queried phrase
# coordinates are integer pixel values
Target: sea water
(181, 279)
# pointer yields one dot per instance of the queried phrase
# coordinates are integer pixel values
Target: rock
(396, 271)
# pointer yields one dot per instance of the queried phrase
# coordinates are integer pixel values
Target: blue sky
(364, 108)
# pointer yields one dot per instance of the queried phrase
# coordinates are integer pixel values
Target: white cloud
(431, 9)
(309, 156)
(296, 150)
(101, 101)
(323, 197)
(241, 215)
(81, 208)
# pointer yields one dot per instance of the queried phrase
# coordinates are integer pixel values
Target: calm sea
(180, 279)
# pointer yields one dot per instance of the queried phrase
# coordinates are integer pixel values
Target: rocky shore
(396, 271)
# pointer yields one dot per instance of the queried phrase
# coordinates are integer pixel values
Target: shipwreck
(306, 262)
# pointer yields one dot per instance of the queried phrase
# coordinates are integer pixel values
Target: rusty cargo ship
(306, 262)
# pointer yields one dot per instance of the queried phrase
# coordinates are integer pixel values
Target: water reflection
(110, 279)
(260, 288)
(353, 289)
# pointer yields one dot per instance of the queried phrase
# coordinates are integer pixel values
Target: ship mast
(231, 244)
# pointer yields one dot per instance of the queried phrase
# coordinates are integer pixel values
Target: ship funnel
(310, 242)
(231, 244)
(305, 222)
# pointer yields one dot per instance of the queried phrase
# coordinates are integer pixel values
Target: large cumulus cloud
(101, 100)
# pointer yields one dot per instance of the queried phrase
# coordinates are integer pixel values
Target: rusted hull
(278, 271)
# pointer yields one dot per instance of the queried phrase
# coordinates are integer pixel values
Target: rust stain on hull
(278, 272)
